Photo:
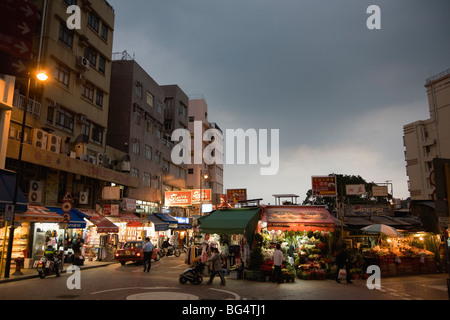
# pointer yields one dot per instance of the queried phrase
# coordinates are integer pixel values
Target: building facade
(65, 135)
(142, 115)
(428, 139)
(203, 175)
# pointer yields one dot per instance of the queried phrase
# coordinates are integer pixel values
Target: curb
(32, 276)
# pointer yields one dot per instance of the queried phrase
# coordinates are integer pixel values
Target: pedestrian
(342, 261)
(216, 262)
(148, 251)
(278, 258)
(77, 260)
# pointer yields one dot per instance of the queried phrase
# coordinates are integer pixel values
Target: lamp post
(203, 176)
(41, 76)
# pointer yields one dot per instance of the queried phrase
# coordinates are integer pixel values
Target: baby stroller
(193, 275)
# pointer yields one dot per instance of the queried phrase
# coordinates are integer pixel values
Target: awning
(76, 217)
(231, 221)
(158, 223)
(173, 223)
(365, 221)
(38, 214)
(131, 219)
(7, 187)
(103, 225)
(298, 218)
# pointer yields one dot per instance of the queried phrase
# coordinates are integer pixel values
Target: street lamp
(42, 76)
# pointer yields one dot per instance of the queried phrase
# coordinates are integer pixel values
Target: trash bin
(19, 265)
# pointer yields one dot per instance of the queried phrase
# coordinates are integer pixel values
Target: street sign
(17, 22)
(9, 212)
(66, 206)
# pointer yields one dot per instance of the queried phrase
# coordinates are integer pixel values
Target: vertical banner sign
(324, 186)
(17, 22)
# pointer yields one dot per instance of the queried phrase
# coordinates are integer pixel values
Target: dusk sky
(338, 92)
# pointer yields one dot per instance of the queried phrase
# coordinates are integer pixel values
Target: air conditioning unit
(35, 194)
(84, 197)
(54, 143)
(81, 78)
(83, 62)
(92, 160)
(40, 138)
(101, 159)
(84, 157)
(80, 149)
(125, 166)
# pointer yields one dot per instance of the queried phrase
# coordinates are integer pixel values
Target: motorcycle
(169, 250)
(192, 275)
(47, 266)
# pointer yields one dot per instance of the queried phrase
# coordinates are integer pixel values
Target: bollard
(19, 265)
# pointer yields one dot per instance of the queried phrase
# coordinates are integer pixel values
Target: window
(136, 146)
(99, 98)
(149, 99)
(102, 64)
(88, 92)
(70, 2)
(191, 119)
(147, 181)
(190, 171)
(65, 35)
(93, 21)
(104, 32)
(134, 172)
(160, 107)
(97, 133)
(139, 90)
(149, 126)
(64, 120)
(157, 156)
(50, 114)
(148, 152)
(62, 74)
(91, 54)
(86, 128)
(137, 117)
(168, 125)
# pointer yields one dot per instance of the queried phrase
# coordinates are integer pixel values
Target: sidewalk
(32, 273)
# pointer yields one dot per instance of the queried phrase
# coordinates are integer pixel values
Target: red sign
(206, 195)
(236, 195)
(17, 21)
(178, 198)
(324, 186)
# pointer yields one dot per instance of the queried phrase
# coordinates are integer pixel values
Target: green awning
(231, 221)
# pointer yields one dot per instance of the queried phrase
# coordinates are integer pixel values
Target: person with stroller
(216, 264)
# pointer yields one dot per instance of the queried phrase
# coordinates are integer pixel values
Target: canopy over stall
(76, 220)
(231, 221)
(38, 214)
(157, 222)
(298, 218)
(173, 223)
(103, 225)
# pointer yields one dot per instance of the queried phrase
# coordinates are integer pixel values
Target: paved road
(129, 282)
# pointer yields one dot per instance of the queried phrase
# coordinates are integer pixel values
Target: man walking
(216, 261)
(148, 251)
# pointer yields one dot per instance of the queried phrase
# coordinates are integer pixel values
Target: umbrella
(382, 228)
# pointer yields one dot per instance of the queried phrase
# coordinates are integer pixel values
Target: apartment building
(204, 176)
(65, 135)
(428, 139)
(142, 116)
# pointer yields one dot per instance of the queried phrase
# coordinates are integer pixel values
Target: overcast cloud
(338, 92)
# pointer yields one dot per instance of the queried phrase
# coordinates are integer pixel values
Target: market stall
(412, 253)
(306, 233)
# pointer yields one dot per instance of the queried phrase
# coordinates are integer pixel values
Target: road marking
(133, 288)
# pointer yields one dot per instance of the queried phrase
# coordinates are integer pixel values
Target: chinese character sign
(324, 186)
(236, 195)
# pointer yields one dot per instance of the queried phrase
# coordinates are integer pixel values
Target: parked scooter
(50, 264)
(169, 250)
(193, 275)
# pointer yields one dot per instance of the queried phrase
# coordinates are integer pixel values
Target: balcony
(34, 107)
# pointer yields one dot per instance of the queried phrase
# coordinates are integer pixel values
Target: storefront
(101, 237)
(36, 228)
